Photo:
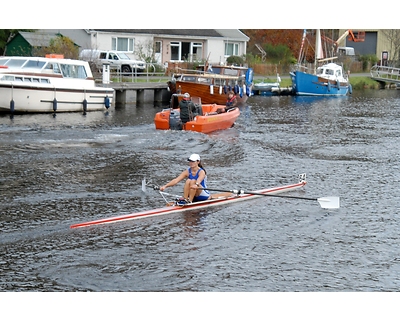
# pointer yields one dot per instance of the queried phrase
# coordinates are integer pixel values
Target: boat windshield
(35, 64)
(15, 62)
(73, 71)
(3, 61)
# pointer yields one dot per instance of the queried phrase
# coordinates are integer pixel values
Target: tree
(6, 35)
(393, 37)
(59, 45)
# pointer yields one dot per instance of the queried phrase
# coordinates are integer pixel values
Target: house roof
(38, 39)
(220, 33)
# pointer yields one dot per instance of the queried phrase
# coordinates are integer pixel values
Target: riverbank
(358, 81)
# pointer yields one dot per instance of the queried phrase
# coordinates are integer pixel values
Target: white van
(117, 60)
(345, 51)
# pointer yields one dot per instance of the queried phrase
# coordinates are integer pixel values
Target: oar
(325, 202)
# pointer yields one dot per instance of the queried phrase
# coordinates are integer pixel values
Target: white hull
(41, 98)
(36, 84)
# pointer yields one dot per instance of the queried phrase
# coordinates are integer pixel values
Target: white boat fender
(244, 89)
(84, 105)
(220, 89)
(107, 102)
(211, 89)
(248, 93)
(54, 104)
(240, 92)
(12, 105)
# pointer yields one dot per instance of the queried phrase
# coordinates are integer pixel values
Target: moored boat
(265, 88)
(328, 79)
(213, 85)
(50, 84)
(216, 200)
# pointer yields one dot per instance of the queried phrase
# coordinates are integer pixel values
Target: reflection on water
(57, 171)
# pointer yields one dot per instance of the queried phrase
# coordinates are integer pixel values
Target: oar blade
(329, 202)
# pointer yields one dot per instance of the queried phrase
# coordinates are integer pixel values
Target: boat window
(8, 78)
(338, 73)
(203, 80)
(35, 64)
(320, 71)
(44, 81)
(73, 71)
(329, 72)
(18, 78)
(189, 78)
(52, 67)
(15, 62)
(27, 79)
(219, 82)
(215, 70)
(3, 61)
(230, 72)
(35, 79)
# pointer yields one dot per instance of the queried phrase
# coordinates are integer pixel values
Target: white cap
(194, 157)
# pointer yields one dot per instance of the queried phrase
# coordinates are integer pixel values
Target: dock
(384, 75)
(140, 92)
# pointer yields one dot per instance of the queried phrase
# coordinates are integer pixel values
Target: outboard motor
(175, 122)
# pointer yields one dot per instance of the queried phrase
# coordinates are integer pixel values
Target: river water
(70, 168)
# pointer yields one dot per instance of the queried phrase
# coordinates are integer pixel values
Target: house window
(190, 51)
(175, 51)
(231, 49)
(123, 44)
(197, 49)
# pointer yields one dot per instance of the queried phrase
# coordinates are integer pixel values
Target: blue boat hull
(311, 85)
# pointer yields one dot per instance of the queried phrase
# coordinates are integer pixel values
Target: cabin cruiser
(50, 84)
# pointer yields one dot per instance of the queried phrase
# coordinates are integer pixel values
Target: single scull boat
(234, 196)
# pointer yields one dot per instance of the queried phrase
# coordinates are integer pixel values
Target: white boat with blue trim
(50, 84)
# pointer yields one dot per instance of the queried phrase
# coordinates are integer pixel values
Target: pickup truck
(117, 60)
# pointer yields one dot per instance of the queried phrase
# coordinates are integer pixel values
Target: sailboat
(325, 80)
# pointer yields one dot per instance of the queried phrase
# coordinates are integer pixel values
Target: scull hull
(194, 206)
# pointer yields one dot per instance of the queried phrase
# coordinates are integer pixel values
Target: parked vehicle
(118, 60)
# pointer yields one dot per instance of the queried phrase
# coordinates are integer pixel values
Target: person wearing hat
(196, 180)
(187, 108)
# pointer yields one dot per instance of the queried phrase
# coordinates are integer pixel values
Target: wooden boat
(213, 85)
(50, 84)
(207, 119)
(217, 200)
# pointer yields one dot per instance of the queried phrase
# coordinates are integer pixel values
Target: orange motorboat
(209, 118)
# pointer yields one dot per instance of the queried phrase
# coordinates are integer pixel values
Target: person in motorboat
(187, 108)
(196, 180)
(231, 103)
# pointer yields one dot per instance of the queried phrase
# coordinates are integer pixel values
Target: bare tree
(393, 37)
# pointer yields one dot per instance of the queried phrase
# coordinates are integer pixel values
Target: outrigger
(226, 197)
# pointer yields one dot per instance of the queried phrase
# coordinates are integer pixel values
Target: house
(164, 45)
(376, 42)
(27, 43)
